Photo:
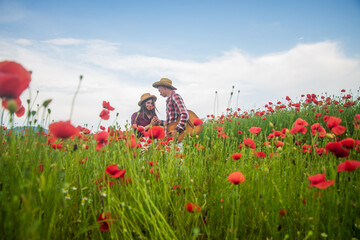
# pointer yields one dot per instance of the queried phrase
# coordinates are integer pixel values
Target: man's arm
(184, 116)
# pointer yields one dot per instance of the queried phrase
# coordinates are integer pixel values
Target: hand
(154, 121)
(171, 134)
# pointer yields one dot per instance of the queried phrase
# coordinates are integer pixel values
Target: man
(175, 107)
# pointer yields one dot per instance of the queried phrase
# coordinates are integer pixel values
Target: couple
(175, 109)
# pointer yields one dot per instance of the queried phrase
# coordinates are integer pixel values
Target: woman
(146, 116)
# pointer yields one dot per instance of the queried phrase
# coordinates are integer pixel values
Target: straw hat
(164, 82)
(145, 97)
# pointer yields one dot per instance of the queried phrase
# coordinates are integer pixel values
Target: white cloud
(112, 75)
(64, 41)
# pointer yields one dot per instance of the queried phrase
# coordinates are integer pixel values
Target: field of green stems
(289, 171)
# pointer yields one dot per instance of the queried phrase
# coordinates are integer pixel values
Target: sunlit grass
(48, 193)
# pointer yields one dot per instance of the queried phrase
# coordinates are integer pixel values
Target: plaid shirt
(175, 107)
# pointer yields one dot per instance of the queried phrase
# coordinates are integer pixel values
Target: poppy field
(289, 170)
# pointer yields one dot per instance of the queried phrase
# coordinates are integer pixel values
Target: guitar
(190, 128)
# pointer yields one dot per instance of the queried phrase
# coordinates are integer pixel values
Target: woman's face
(149, 104)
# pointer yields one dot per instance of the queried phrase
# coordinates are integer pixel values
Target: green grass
(64, 200)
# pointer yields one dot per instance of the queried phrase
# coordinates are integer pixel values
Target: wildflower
(357, 121)
(192, 207)
(255, 130)
(140, 129)
(249, 143)
(104, 114)
(236, 178)
(300, 122)
(278, 143)
(348, 143)
(337, 149)
(334, 125)
(318, 181)
(41, 168)
(260, 154)
(152, 163)
(197, 121)
(68, 196)
(348, 165)
(104, 221)
(317, 128)
(306, 148)
(320, 151)
(14, 79)
(107, 106)
(102, 139)
(236, 156)
(114, 171)
(298, 129)
(324, 235)
(62, 129)
(283, 212)
(156, 132)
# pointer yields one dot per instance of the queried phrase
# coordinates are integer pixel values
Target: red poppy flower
(102, 139)
(105, 114)
(197, 121)
(236, 156)
(317, 128)
(107, 106)
(319, 181)
(249, 143)
(283, 212)
(298, 129)
(41, 168)
(320, 151)
(300, 122)
(255, 130)
(334, 125)
(306, 148)
(348, 165)
(236, 178)
(260, 154)
(278, 143)
(63, 129)
(20, 112)
(348, 143)
(357, 121)
(114, 171)
(104, 221)
(57, 146)
(14, 79)
(337, 149)
(140, 129)
(192, 207)
(156, 132)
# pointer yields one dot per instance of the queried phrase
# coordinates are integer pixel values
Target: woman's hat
(145, 97)
(164, 82)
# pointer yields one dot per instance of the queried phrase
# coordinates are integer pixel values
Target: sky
(261, 50)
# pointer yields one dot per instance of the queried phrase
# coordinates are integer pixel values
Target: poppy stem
(76, 93)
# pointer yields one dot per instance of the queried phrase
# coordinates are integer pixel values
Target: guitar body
(190, 128)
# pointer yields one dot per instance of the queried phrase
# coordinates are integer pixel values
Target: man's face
(162, 91)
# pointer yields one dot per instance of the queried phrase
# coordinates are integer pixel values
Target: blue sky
(266, 49)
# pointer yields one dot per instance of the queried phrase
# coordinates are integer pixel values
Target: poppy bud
(46, 103)
(12, 105)
(271, 124)
(330, 135)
